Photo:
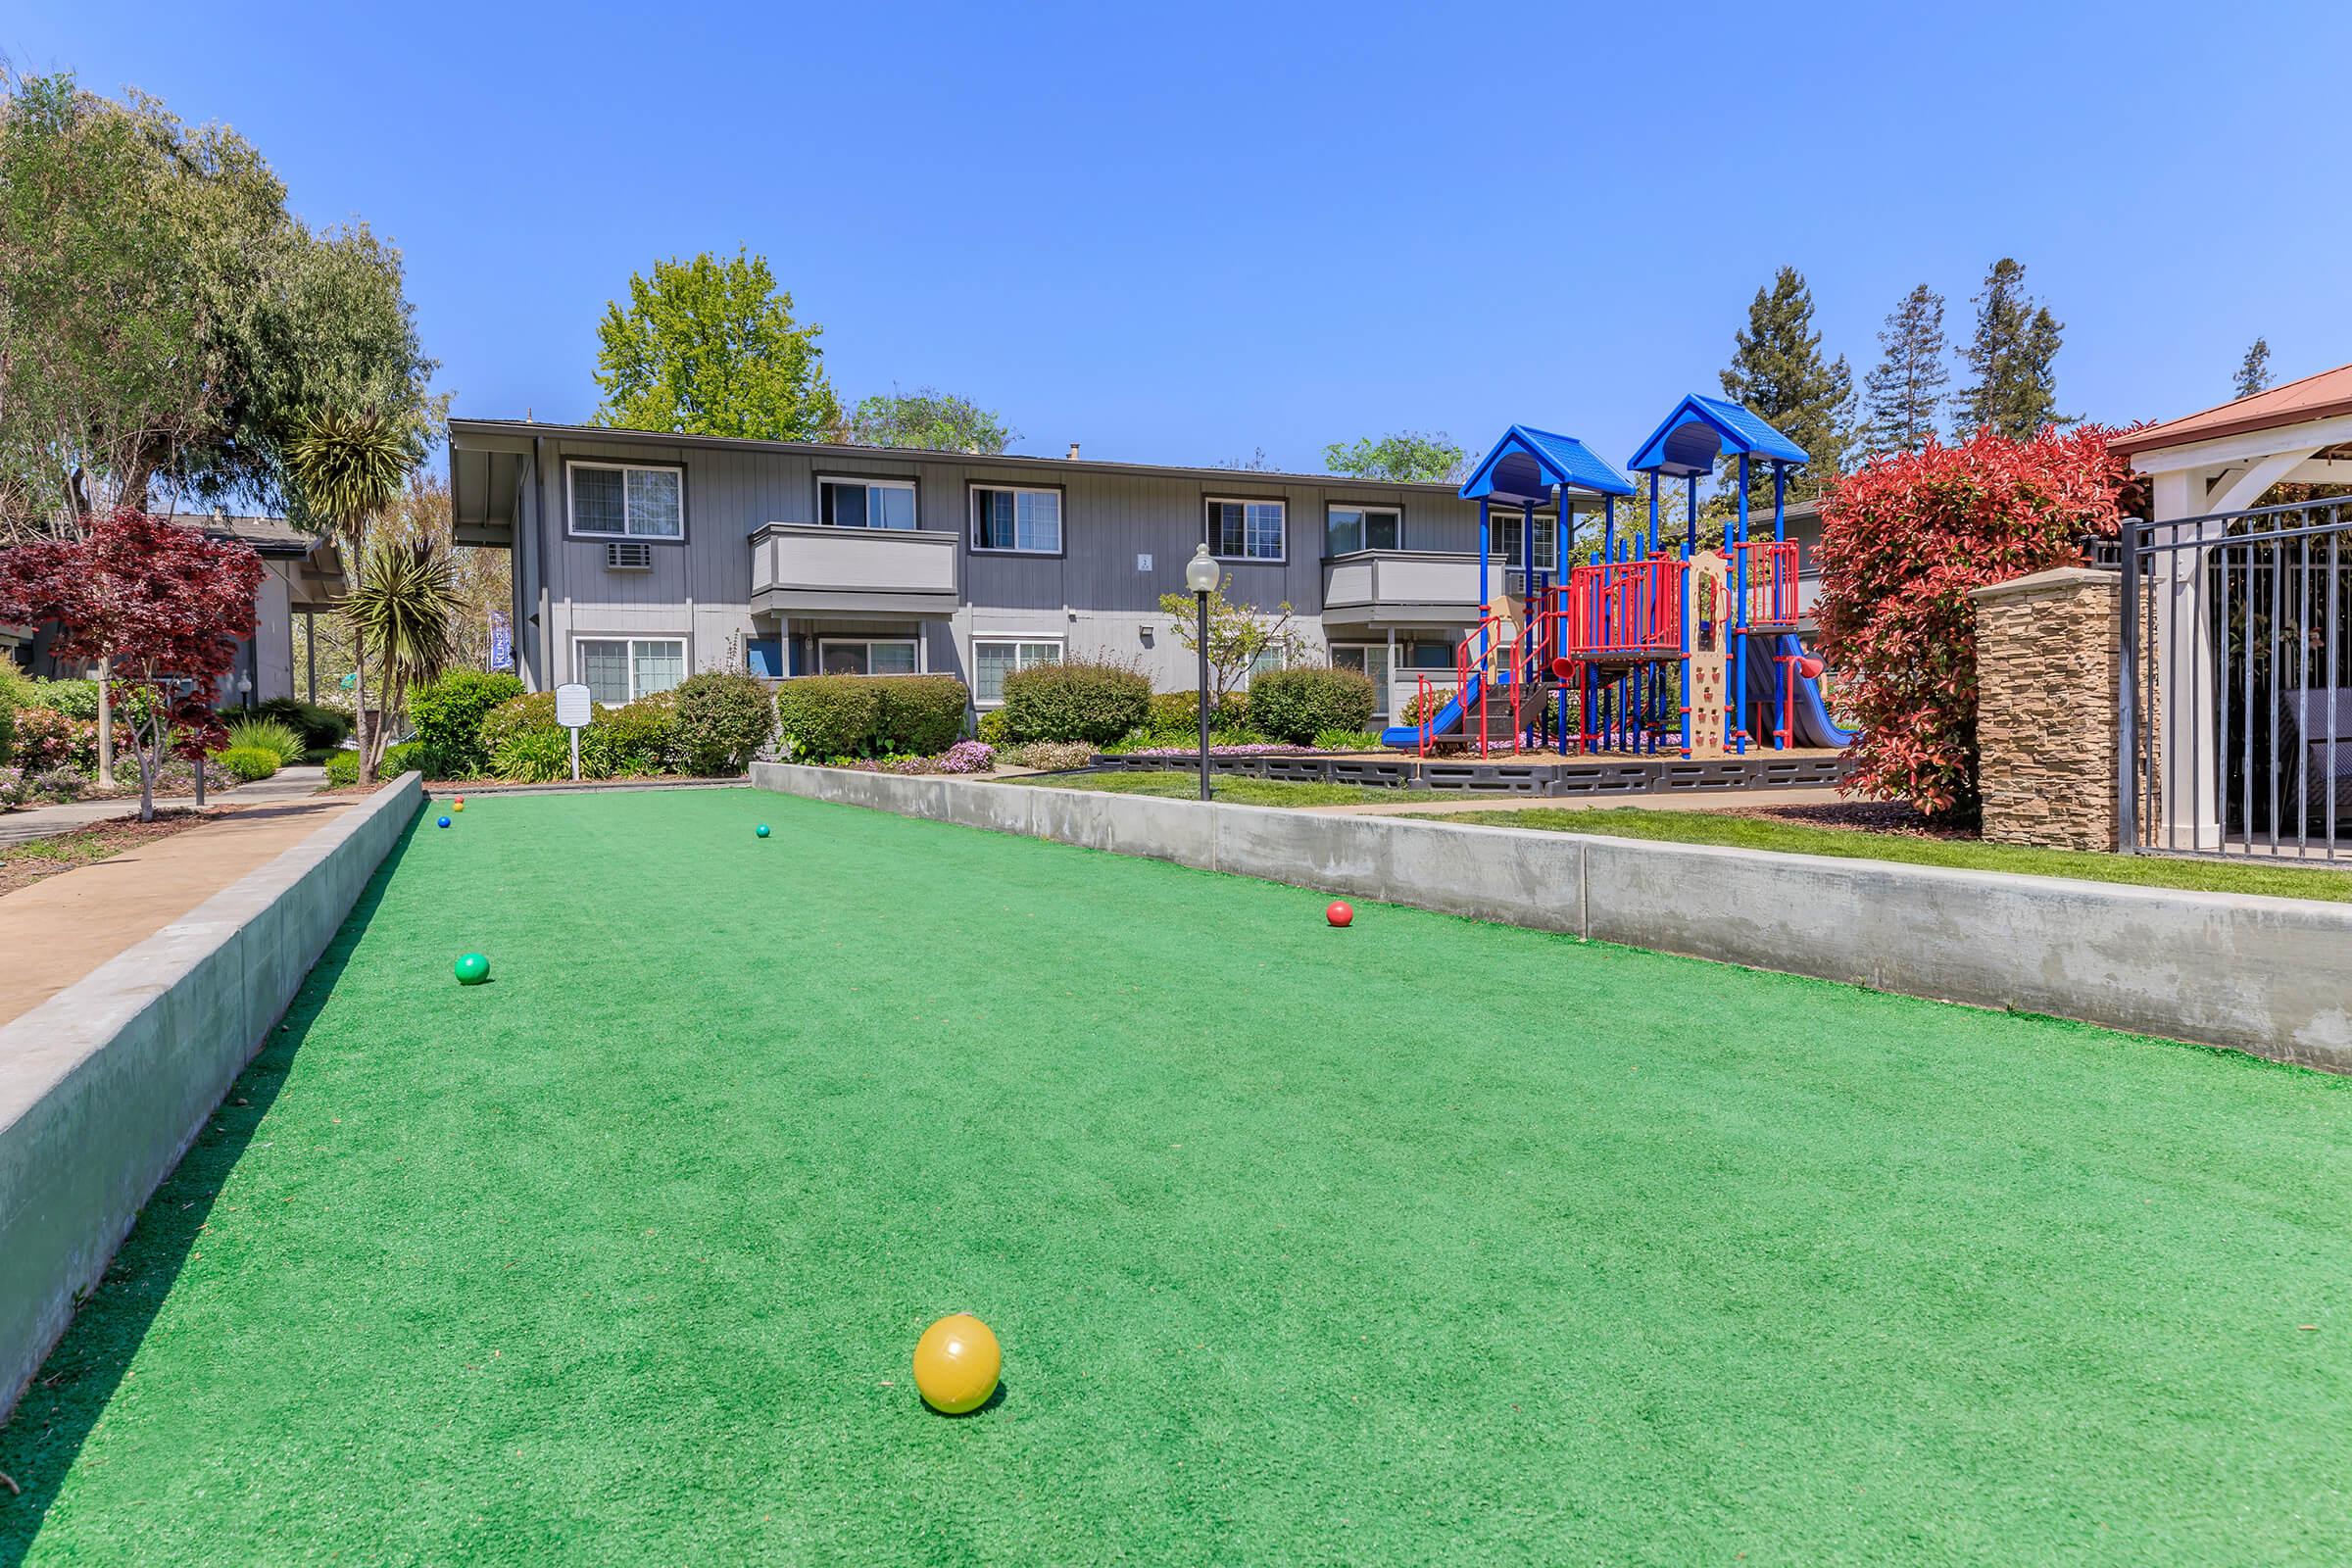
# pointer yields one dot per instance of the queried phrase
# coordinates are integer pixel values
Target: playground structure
(1645, 647)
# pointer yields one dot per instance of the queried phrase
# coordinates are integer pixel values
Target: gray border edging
(2269, 976)
(104, 1086)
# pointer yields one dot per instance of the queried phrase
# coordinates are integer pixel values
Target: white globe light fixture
(1201, 576)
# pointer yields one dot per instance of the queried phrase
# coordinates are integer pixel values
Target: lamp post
(1201, 575)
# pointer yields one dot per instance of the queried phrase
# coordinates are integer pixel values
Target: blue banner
(502, 642)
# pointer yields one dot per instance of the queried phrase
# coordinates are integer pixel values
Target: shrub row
(714, 724)
(1078, 701)
(1294, 706)
(826, 717)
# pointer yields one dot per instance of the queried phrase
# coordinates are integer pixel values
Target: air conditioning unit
(630, 555)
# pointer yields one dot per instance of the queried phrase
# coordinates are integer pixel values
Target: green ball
(473, 970)
(762, 830)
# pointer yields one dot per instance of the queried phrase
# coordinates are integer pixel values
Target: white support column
(2187, 812)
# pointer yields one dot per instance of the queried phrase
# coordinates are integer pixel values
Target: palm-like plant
(403, 609)
(347, 468)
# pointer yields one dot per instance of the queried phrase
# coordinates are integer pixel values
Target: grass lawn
(1234, 790)
(1425, 1240)
(1794, 838)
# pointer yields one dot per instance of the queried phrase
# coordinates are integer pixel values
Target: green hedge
(517, 715)
(321, 727)
(269, 735)
(249, 762)
(343, 768)
(1094, 702)
(12, 698)
(640, 738)
(822, 717)
(1294, 706)
(406, 756)
(448, 714)
(723, 720)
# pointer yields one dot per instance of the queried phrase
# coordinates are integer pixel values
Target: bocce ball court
(1420, 1241)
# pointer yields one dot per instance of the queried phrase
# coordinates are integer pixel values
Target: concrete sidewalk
(61, 928)
(47, 821)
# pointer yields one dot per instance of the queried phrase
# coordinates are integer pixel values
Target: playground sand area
(1425, 1240)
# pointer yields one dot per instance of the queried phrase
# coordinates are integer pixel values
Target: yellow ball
(956, 1364)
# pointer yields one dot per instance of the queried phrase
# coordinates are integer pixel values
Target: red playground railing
(1771, 583)
(1620, 610)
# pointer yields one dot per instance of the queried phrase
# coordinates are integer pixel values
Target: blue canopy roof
(1700, 430)
(1525, 464)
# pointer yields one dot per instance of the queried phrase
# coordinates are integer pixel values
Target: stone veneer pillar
(2049, 659)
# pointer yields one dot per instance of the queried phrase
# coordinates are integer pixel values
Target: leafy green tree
(162, 317)
(401, 610)
(2254, 371)
(2013, 355)
(710, 347)
(1401, 457)
(1239, 636)
(1778, 373)
(1901, 397)
(933, 420)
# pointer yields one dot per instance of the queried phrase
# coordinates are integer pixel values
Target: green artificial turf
(1796, 838)
(1423, 1240)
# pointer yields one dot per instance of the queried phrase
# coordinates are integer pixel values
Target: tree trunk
(359, 693)
(105, 727)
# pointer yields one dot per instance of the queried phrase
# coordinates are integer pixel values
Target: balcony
(1376, 589)
(807, 569)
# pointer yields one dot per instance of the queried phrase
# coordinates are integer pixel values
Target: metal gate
(2235, 734)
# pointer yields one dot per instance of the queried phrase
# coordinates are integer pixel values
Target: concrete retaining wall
(105, 1085)
(2271, 976)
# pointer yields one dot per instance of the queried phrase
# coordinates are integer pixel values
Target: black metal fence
(2237, 690)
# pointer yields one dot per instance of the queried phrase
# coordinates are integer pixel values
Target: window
(1507, 541)
(1246, 531)
(1373, 659)
(1007, 519)
(859, 656)
(614, 500)
(865, 503)
(1346, 530)
(995, 659)
(1268, 659)
(621, 669)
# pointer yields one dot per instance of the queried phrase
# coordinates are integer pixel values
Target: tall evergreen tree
(2013, 357)
(1901, 397)
(1777, 371)
(2254, 371)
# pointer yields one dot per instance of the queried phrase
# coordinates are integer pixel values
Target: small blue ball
(762, 830)
(444, 822)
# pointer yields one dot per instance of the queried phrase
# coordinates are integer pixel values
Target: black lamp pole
(1201, 603)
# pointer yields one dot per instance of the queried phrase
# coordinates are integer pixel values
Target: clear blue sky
(1181, 237)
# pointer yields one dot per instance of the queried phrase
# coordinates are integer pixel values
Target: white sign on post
(575, 707)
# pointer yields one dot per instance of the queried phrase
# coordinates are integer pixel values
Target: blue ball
(444, 821)
(762, 830)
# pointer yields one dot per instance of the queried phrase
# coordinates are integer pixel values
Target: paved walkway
(61, 928)
(45, 821)
(1663, 801)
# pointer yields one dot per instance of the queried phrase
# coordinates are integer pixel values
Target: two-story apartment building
(641, 558)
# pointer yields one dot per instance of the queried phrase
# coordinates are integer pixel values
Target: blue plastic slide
(1813, 726)
(1445, 721)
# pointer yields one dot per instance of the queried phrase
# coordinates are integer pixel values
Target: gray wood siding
(1091, 595)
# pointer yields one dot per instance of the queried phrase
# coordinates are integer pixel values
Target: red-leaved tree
(165, 603)
(1903, 539)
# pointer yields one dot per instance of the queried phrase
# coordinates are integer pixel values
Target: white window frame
(971, 506)
(1208, 528)
(628, 640)
(870, 483)
(1015, 641)
(1380, 687)
(572, 526)
(869, 643)
(1546, 522)
(1363, 510)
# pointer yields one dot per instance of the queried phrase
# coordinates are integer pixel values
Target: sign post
(573, 709)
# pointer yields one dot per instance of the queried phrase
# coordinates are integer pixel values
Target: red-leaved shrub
(1903, 539)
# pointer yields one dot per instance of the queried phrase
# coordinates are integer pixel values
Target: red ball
(1339, 914)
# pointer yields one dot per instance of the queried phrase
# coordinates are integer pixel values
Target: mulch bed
(1859, 817)
(23, 864)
